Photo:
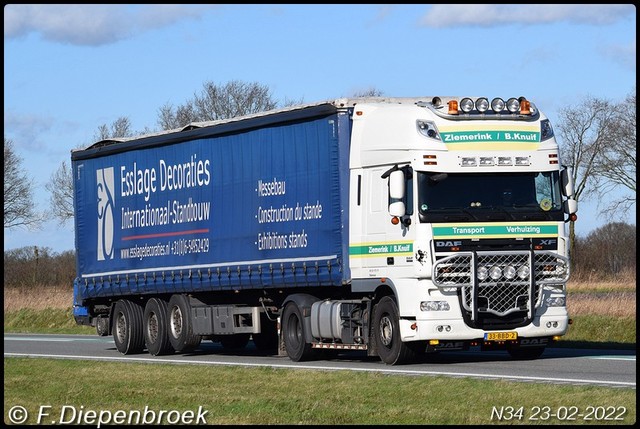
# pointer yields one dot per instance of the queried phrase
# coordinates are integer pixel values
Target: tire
(526, 353)
(295, 345)
(180, 327)
(102, 326)
(156, 326)
(127, 327)
(267, 340)
(235, 341)
(386, 331)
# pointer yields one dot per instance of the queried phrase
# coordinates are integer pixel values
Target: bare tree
(60, 185)
(616, 255)
(235, 98)
(121, 127)
(60, 188)
(19, 208)
(170, 119)
(369, 92)
(617, 166)
(585, 130)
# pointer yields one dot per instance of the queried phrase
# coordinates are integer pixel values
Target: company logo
(105, 190)
(448, 243)
(524, 342)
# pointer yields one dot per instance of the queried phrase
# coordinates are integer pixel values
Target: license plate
(500, 336)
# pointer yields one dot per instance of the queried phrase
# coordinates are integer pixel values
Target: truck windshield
(446, 197)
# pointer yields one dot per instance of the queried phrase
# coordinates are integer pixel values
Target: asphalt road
(616, 368)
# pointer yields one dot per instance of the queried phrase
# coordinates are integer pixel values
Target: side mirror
(567, 183)
(396, 193)
(570, 206)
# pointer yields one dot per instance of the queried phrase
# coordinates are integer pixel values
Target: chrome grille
(503, 280)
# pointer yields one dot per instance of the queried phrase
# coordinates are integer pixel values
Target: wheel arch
(303, 301)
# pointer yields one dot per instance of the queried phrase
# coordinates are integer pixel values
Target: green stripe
(381, 249)
(490, 136)
(500, 230)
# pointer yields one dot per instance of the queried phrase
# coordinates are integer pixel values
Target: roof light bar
(467, 105)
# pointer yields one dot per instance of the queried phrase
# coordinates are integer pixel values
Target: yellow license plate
(500, 336)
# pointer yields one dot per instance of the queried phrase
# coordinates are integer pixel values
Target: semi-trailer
(399, 226)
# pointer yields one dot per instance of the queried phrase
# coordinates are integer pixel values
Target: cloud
(92, 24)
(25, 129)
(489, 15)
(625, 55)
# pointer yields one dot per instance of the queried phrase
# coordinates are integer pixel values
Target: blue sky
(70, 68)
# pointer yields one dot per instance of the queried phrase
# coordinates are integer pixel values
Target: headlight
(523, 272)
(466, 105)
(497, 104)
(482, 104)
(482, 273)
(558, 301)
(513, 105)
(434, 306)
(495, 273)
(509, 272)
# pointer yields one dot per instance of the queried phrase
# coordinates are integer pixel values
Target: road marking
(630, 358)
(325, 368)
(41, 339)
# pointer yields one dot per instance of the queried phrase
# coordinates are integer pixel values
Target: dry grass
(613, 304)
(37, 298)
(615, 298)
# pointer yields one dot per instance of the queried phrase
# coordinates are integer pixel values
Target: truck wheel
(387, 333)
(180, 329)
(156, 325)
(526, 353)
(293, 333)
(127, 327)
(235, 341)
(102, 326)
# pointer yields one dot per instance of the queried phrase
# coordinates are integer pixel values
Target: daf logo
(451, 345)
(534, 342)
(448, 243)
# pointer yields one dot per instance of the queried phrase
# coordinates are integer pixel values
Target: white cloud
(92, 24)
(488, 15)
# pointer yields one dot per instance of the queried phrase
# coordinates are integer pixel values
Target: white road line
(333, 368)
(629, 358)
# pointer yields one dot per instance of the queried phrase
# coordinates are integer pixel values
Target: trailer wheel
(156, 326)
(386, 333)
(180, 329)
(293, 333)
(102, 326)
(127, 327)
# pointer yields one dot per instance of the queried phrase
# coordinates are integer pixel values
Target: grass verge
(277, 396)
